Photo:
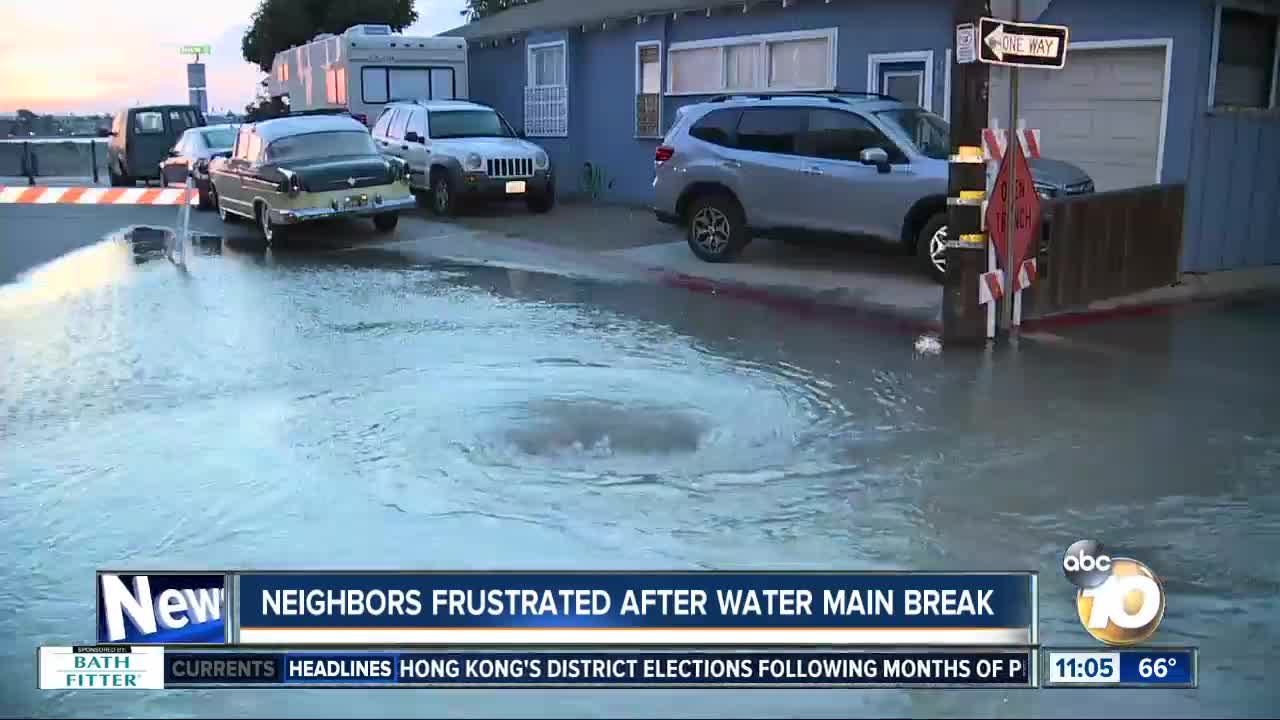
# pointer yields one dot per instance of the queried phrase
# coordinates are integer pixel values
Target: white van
(367, 67)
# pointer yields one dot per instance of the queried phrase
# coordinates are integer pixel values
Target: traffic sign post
(1014, 211)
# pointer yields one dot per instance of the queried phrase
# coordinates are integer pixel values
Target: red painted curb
(886, 320)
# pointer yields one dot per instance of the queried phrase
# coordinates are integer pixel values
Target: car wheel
(223, 215)
(541, 202)
(204, 198)
(931, 247)
(443, 198)
(386, 222)
(717, 228)
(273, 233)
(117, 179)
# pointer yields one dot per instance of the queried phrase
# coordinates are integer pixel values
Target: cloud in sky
(90, 56)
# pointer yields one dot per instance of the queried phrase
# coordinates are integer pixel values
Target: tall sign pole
(1014, 211)
(197, 91)
(963, 317)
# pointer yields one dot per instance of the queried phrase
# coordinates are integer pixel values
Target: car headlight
(540, 161)
(1046, 192)
(473, 161)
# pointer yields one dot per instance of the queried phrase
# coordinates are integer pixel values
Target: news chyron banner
(635, 608)
(556, 629)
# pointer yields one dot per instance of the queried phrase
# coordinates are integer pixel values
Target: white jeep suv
(459, 150)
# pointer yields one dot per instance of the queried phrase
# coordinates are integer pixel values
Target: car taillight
(663, 153)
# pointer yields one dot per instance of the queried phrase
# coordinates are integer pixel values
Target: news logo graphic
(101, 667)
(1119, 600)
(161, 608)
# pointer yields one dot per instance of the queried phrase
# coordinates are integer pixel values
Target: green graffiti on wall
(595, 180)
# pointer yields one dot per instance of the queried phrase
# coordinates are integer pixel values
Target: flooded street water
(362, 409)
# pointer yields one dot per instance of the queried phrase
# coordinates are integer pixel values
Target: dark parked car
(141, 138)
(298, 169)
(191, 155)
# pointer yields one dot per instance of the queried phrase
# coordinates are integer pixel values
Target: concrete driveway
(852, 272)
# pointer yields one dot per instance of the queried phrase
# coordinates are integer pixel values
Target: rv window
(442, 84)
(409, 83)
(149, 122)
(373, 85)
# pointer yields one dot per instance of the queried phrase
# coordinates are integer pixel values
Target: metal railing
(60, 157)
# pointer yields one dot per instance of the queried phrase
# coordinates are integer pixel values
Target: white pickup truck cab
(459, 150)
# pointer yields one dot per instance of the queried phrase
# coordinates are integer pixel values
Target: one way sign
(1022, 44)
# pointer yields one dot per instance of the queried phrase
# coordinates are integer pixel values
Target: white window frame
(875, 60)
(1213, 58)
(531, 71)
(635, 122)
(909, 73)
(762, 41)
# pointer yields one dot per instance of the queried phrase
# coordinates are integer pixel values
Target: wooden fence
(1106, 245)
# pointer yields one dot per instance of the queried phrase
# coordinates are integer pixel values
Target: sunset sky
(93, 56)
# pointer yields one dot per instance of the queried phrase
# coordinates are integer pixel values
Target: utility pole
(964, 320)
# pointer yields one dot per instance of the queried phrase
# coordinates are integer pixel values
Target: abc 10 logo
(1119, 600)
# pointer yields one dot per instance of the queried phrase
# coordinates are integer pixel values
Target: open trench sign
(1026, 209)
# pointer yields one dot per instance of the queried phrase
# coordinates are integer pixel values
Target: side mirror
(519, 133)
(413, 137)
(877, 157)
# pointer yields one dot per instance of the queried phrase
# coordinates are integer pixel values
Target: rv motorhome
(367, 67)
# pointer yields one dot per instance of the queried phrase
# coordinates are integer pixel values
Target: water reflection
(361, 409)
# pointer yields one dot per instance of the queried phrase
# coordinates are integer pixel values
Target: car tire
(204, 198)
(716, 228)
(119, 179)
(422, 197)
(386, 222)
(541, 202)
(274, 233)
(931, 249)
(223, 215)
(444, 196)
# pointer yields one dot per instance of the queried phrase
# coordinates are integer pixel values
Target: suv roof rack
(835, 96)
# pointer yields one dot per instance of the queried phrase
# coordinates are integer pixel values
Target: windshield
(219, 138)
(467, 123)
(929, 133)
(321, 144)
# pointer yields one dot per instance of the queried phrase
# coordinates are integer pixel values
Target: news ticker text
(151, 667)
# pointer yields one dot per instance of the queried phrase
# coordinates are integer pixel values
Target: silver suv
(848, 163)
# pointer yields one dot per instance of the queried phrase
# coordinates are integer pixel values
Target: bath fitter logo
(1119, 600)
(101, 667)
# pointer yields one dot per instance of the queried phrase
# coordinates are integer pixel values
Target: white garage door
(1102, 113)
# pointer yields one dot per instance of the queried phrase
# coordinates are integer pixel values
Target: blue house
(1180, 91)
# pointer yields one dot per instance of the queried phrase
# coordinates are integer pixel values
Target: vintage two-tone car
(293, 169)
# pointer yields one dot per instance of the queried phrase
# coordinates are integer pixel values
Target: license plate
(356, 201)
(515, 186)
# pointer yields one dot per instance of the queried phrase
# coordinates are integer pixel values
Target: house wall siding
(1215, 154)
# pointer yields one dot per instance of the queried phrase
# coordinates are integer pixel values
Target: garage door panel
(1102, 113)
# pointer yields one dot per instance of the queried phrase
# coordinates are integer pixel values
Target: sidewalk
(860, 277)
(849, 275)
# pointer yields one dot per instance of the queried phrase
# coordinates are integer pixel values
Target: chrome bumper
(290, 216)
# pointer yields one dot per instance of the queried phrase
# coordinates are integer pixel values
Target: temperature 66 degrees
(1156, 667)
